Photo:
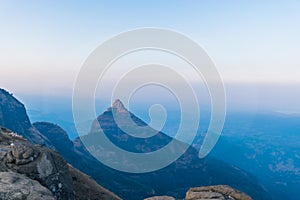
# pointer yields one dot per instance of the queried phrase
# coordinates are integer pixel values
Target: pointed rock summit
(118, 106)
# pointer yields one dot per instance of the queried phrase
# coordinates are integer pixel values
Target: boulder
(29, 171)
(14, 186)
(160, 198)
(37, 163)
(217, 192)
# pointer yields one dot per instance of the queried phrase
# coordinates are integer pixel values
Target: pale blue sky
(44, 43)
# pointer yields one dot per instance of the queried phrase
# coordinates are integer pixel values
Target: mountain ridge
(173, 180)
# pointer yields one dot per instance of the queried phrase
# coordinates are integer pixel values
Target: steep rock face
(175, 179)
(12, 111)
(14, 186)
(32, 162)
(13, 116)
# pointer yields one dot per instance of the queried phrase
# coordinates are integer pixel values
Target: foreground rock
(37, 163)
(31, 171)
(18, 187)
(218, 192)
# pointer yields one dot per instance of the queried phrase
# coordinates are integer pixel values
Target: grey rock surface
(37, 163)
(160, 198)
(217, 192)
(14, 186)
(29, 171)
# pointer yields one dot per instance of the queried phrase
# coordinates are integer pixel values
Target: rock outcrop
(14, 186)
(160, 198)
(218, 192)
(37, 163)
(45, 172)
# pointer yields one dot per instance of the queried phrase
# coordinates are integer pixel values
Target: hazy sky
(44, 43)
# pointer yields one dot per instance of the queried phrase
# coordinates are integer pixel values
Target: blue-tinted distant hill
(266, 145)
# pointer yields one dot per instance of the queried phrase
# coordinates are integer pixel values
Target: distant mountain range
(175, 179)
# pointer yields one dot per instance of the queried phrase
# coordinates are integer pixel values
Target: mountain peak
(118, 106)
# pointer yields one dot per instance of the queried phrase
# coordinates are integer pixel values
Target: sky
(254, 44)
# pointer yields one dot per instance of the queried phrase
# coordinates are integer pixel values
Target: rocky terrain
(29, 171)
(17, 186)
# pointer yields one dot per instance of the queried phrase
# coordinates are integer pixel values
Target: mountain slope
(188, 171)
(76, 154)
